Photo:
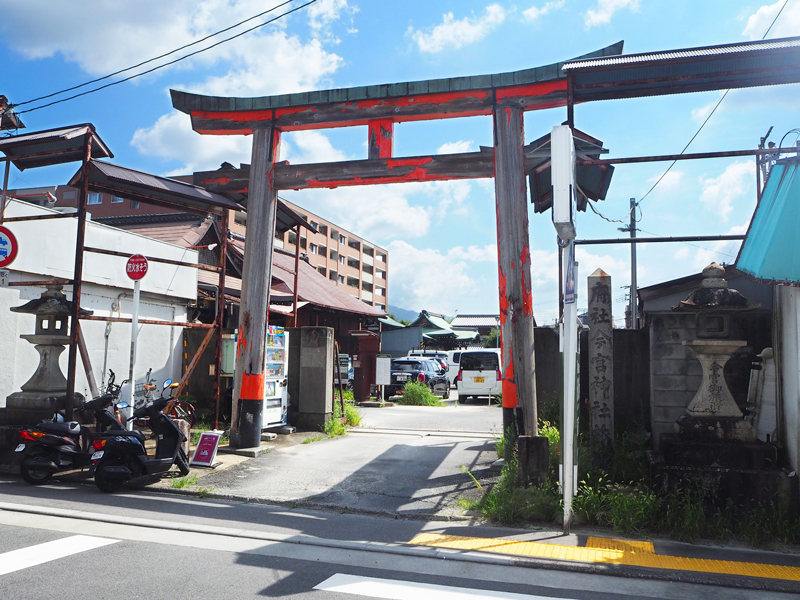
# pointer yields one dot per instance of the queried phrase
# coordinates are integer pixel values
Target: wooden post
(77, 278)
(516, 299)
(246, 418)
(223, 262)
(601, 370)
(381, 138)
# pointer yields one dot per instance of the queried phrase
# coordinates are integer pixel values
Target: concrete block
(268, 436)
(315, 387)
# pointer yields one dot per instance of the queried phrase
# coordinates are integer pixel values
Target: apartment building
(356, 265)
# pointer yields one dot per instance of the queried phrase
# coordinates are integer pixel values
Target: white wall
(788, 307)
(47, 250)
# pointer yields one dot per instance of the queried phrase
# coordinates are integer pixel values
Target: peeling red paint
(424, 99)
(533, 89)
(527, 294)
(408, 162)
(290, 110)
(418, 174)
(235, 115)
(217, 180)
(510, 398)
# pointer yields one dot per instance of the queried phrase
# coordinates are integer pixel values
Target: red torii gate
(505, 96)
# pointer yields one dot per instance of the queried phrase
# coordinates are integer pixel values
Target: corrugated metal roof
(771, 252)
(728, 66)
(475, 321)
(52, 146)
(627, 59)
(152, 189)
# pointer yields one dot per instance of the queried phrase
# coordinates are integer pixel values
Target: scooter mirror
(167, 383)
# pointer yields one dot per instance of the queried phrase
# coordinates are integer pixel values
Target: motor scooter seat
(71, 428)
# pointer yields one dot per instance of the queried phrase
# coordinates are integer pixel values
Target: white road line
(42, 553)
(392, 589)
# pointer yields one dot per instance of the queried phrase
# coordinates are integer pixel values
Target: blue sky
(441, 236)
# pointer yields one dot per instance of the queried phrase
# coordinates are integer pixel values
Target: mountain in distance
(402, 314)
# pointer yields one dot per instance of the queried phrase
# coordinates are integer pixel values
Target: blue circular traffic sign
(8, 247)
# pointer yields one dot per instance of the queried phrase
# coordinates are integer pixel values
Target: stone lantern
(45, 391)
(713, 413)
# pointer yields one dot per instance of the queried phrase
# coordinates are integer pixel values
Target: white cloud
(324, 13)
(302, 147)
(606, 9)
(787, 25)
(719, 192)
(172, 137)
(452, 33)
(671, 181)
(533, 13)
(425, 278)
(102, 37)
(700, 114)
(455, 147)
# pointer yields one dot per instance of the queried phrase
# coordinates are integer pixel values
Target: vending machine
(275, 372)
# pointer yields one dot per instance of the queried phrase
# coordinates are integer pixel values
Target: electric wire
(710, 114)
(172, 62)
(141, 64)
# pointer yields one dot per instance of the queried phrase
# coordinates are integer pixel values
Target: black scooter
(53, 446)
(121, 456)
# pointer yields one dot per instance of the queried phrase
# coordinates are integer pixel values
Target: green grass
(418, 394)
(334, 425)
(184, 482)
(316, 438)
(205, 424)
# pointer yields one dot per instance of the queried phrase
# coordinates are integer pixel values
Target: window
(352, 281)
(380, 274)
(353, 263)
(240, 218)
(94, 198)
(303, 243)
(354, 245)
(341, 279)
(369, 251)
(367, 287)
(323, 229)
(292, 238)
(117, 200)
(322, 271)
(381, 257)
(367, 269)
(341, 239)
(334, 234)
(134, 205)
(312, 248)
(333, 275)
(341, 259)
(314, 225)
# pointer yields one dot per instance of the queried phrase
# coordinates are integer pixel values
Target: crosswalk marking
(42, 553)
(392, 589)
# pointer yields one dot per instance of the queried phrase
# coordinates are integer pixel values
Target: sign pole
(136, 269)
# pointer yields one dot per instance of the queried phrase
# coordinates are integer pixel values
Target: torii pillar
(514, 264)
(248, 400)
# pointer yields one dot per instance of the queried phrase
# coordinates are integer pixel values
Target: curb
(403, 549)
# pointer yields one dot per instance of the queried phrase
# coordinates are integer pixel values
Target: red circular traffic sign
(136, 267)
(8, 247)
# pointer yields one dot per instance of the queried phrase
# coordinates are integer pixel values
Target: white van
(453, 358)
(479, 374)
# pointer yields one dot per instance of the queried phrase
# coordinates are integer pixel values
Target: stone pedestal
(713, 413)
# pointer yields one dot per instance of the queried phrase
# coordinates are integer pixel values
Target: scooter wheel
(182, 462)
(35, 476)
(107, 484)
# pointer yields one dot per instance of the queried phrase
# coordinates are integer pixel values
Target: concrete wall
(788, 307)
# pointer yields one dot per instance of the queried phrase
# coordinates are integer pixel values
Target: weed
(553, 436)
(465, 470)
(204, 492)
(418, 394)
(316, 438)
(183, 482)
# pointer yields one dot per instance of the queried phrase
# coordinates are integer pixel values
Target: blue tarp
(771, 251)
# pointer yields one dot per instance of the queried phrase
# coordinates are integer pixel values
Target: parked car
(479, 374)
(422, 370)
(453, 359)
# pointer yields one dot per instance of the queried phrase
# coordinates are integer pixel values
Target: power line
(75, 87)
(716, 106)
(172, 62)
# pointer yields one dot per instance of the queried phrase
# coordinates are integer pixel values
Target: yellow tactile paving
(603, 550)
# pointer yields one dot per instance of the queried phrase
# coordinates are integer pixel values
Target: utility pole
(633, 295)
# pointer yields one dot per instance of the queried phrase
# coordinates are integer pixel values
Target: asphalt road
(132, 545)
(474, 416)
